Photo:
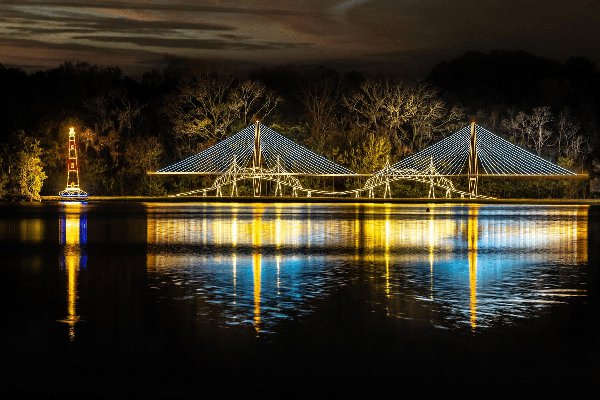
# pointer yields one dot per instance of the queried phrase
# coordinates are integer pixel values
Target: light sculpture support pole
(473, 162)
(256, 161)
(234, 191)
(432, 172)
(388, 191)
(279, 169)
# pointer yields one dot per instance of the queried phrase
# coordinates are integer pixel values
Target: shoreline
(344, 200)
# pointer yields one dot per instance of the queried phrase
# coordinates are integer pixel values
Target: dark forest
(128, 126)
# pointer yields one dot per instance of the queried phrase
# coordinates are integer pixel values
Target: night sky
(395, 35)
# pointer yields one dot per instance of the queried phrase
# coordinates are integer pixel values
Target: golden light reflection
(31, 230)
(234, 273)
(581, 234)
(278, 226)
(256, 271)
(71, 239)
(383, 236)
(431, 228)
(256, 264)
(72, 318)
(388, 232)
(473, 237)
(356, 232)
(371, 230)
(234, 229)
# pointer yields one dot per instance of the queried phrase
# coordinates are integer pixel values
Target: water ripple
(455, 267)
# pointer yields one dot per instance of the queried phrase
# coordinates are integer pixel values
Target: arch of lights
(258, 153)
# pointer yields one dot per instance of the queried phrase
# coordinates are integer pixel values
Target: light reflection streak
(234, 263)
(257, 264)
(499, 254)
(73, 238)
(278, 259)
(31, 230)
(256, 272)
(388, 231)
(473, 237)
(431, 228)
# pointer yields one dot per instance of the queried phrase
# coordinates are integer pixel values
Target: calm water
(141, 300)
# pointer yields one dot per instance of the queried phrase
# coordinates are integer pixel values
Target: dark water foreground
(134, 300)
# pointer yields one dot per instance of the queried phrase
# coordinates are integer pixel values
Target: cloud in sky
(128, 33)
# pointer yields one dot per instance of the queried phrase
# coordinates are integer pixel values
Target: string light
(72, 190)
(433, 165)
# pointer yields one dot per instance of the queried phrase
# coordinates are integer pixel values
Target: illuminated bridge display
(256, 146)
(258, 153)
(497, 156)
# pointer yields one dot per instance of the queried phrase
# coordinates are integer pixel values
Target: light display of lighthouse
(73, 190)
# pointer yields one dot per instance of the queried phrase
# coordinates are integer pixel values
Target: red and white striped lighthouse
(73, 189)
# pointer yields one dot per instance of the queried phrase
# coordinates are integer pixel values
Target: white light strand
(295, 158)
(516, 160)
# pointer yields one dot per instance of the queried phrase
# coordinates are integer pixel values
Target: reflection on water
(73, 240)
(259, 264)
(473, 238)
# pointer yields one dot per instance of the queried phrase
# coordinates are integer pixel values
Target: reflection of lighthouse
(73, 238)
(72, 189)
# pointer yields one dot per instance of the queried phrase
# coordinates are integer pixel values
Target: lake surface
(159, 300)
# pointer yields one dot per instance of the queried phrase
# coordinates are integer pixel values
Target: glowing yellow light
(234, 231)
(72, 270)
(581, 235)
(388, 231)
(356, 226)
(473, 237)
(71, 231)
(72, 256)
(31, 230)
(234, 261)
(431, 229)
(278, 229)
(257, 227)
(256, 265)
(256, 271)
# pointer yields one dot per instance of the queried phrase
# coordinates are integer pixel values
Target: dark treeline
(127, 127)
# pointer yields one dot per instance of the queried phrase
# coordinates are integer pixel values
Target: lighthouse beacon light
(72, 190)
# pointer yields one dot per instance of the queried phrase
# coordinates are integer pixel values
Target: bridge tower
(72, 189)
(257, 161)
(473, 162)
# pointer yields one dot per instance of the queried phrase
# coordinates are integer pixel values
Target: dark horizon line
(376, 66)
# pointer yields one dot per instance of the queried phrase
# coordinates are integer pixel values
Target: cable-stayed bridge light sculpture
(462, 154)
(259, 153)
